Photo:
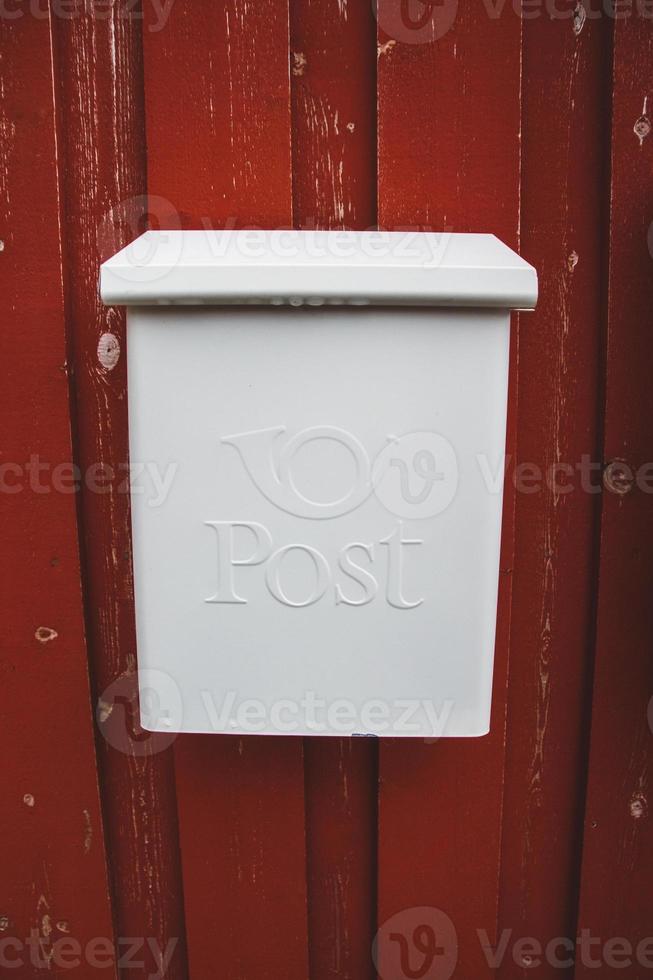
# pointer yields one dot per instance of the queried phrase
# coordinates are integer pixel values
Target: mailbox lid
(283, 266)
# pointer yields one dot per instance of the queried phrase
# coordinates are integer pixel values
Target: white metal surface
(316, 510)
(315, 267)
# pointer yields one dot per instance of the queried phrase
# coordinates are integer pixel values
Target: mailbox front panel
(316, 510)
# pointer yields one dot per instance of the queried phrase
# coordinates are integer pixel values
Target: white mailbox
(317, 428)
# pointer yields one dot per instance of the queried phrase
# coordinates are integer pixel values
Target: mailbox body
(316, 505)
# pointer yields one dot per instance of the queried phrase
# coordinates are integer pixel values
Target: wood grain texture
(218, 114)
(225, 162)
(99, 70)
(449, 160)
(556, 524)
(333, 69)
(448, 122)
(333, 75)
(618, 844)
(341, 837)
(254, 114)
(242, 846)
(54, 882)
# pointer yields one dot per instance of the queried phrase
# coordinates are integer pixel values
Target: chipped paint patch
(108, 351)
(642, 127)
(44, 634)
(351, 127)
(104, 710)
(638, 806)
(4, 923)
(29, 800)
(298, 62)
(572, 261)
(88, 831)
(2, 245)
(580, 16)
(385, 48)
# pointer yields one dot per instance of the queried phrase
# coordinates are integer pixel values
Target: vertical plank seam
(516, 327)
(60, 141)
(109, 833)
(606, 96)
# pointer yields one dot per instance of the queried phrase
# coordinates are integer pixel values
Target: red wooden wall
(254, 858)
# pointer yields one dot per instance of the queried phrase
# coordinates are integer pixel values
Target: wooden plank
(225, 161)
(242, 844)
(333, 68)
(449, 129)
(618, 842)
(449, 121)
(554, 567)
(99, 67)
(54, 876)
